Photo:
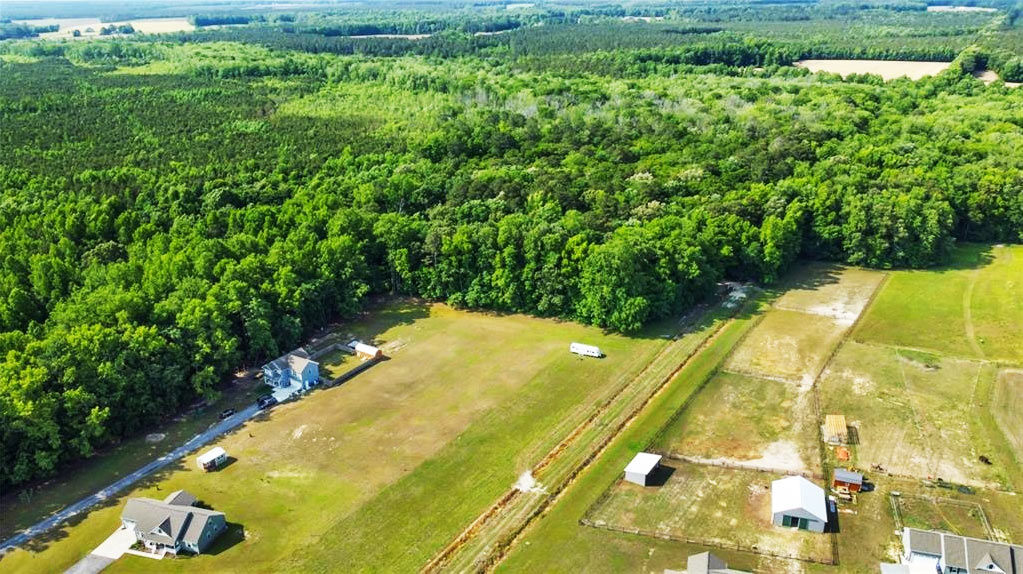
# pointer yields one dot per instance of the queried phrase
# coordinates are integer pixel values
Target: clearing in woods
(887, 69)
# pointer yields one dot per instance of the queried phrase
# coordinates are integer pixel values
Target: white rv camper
(585, 350)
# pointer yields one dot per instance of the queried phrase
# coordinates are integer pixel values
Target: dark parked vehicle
(226, 413)
(266, 401)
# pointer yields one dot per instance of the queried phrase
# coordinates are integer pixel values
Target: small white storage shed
(212, 458)
(585, 350)
(364, 351)
(642, 466)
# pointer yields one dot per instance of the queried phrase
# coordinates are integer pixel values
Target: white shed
(212, 458)
(585, 350)
(364, 351)
(642, 466)
(798, 503)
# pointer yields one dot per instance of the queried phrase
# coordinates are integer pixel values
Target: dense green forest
(174, 208)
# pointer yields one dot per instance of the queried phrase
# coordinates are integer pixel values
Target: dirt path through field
(971, 336)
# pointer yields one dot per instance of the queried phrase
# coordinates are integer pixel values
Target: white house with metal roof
(798, 503)
(642, 466)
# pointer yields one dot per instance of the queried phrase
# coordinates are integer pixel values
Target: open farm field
(748, 420)
(970, 308)
(718, 506)
(443, 426)
(887, 69)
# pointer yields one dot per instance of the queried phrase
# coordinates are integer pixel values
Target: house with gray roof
(930, 551)
(294, 368)
(707, 563)
(174, 524)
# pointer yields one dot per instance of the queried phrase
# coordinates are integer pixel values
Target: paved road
(88, 502)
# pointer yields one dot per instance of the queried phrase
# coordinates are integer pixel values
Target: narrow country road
(195, 442)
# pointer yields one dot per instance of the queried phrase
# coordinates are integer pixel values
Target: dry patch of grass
(1008, 407)
(912, 411)
(788, 345)
(712, 504)
(750, 420)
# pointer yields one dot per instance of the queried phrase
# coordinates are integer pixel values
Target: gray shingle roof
(972, 554)
(165, 523)
(180, 498)
(848, 476)
(924, 542)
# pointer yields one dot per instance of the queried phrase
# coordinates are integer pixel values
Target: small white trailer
(585, 350)
(212, 458)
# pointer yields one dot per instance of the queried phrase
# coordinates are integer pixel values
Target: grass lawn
(22, 510)
(934, 514)
(914, 411)
(769, 423)
(970, 308)
(438, 431)
(788, 345)
(711, 504)
(336, 363)
(1007, 406)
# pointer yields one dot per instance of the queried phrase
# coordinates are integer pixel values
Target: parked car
(226, 413)
(266, 401)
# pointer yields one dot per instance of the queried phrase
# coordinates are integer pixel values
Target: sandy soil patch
(960, 9)
(887, 69)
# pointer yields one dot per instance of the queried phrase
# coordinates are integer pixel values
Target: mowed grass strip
(741, 418)
(459, 400)
(558, 543)
(971, 308)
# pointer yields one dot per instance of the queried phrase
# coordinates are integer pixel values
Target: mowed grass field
(399, 458)
(708, 503)
(971, 308)
(1007, 404)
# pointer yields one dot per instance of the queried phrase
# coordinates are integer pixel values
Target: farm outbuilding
(707, 563)
(836, 431)
(798, 503)
(585, 350)
(846, 481)
(212, 458)
(365, 352)
(642, 466)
